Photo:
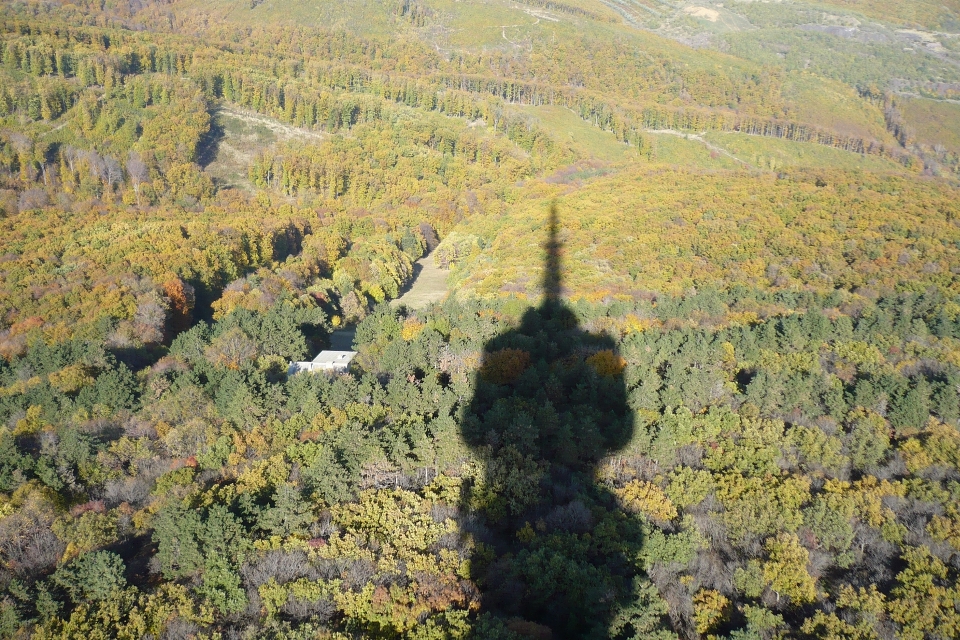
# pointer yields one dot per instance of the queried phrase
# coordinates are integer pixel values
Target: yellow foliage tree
(504, 366)
(786, 569)
(607, 363)
(411, 328)
(648, 499)
(710, 608)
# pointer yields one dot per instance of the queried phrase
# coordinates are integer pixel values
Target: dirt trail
(700, 139)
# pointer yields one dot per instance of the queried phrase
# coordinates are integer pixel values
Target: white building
(333, 361)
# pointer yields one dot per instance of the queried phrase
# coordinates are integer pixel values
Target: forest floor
(429, 285)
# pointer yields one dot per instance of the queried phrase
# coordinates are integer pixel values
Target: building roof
(331, 358)
(337, 361)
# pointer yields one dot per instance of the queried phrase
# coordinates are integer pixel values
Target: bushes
(222, 465)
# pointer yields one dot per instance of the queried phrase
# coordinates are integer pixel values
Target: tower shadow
(556, 557)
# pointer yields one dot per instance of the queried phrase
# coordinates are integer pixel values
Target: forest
(697, 375)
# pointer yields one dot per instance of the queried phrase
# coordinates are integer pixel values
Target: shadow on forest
(414, 274)
(558, 557)
(137, 358)
(209, 144)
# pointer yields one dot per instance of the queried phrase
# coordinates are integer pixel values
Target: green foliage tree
(93, 577)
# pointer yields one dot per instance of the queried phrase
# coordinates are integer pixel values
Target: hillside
(655, 304)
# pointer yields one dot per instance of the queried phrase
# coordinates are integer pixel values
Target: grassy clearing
(592, 143)
(242, 136)
(429, 285)
(933, 122)
(359, 16)
(505, 24)
(470, 25)
(715, 18)
(585, 139)
(833, 105)
(685, 151)
(932, 14)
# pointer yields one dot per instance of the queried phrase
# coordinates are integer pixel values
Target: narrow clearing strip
(429, 285)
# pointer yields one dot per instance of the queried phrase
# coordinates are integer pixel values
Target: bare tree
(27, 543)
(112, 171)
(71, 155)
(137, 172)
(33, 199)
(98, 168)
(151, 317)
(49, 172)
(232, 349)
(20, 142)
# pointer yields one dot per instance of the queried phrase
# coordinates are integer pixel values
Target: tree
(232, 349)
(786, 570)
(924, 601)
(175, 532)
(138, 173)
(910, 411)
(92, 577)
(289, 514)
(868, 439)
(117, 389)
(710, 609)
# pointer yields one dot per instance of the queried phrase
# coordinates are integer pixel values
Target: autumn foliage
(504, 366)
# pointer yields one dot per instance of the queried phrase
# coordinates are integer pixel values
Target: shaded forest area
(794, 474)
